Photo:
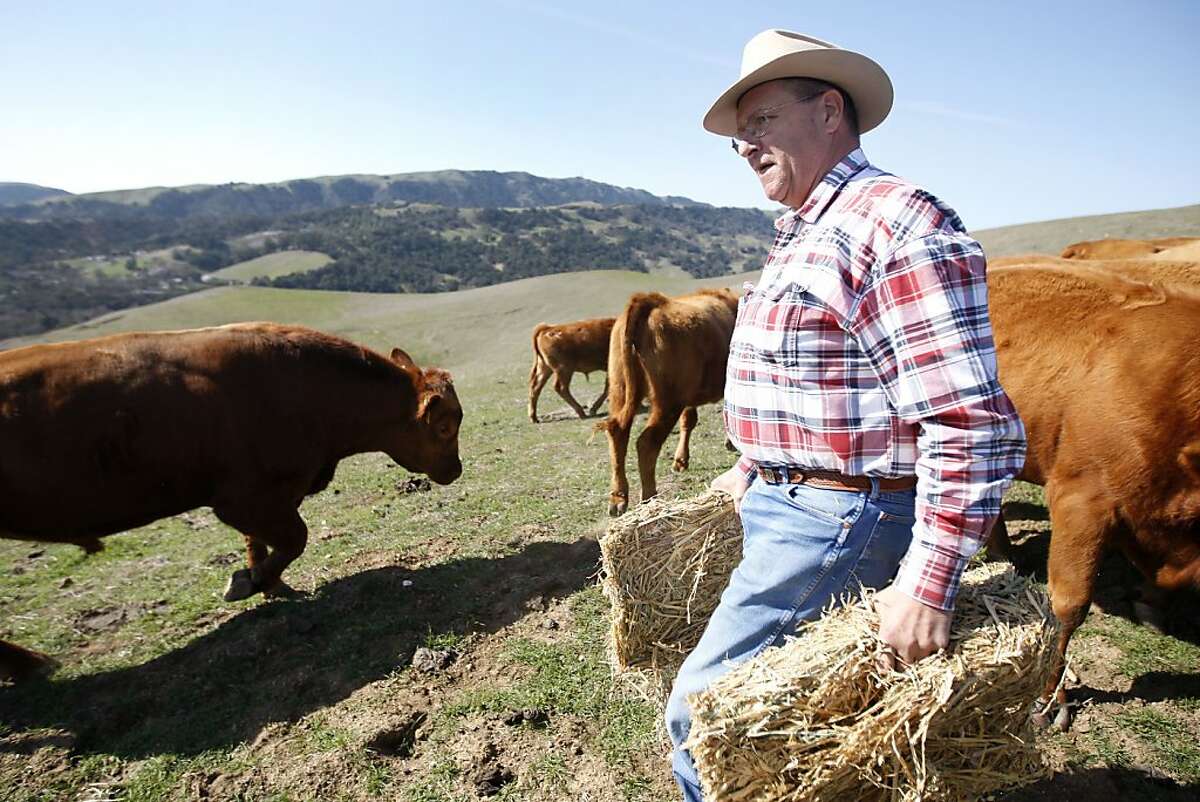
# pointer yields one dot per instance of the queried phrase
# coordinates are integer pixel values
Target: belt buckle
(796, 476)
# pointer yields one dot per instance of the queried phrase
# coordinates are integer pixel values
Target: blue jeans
(802, 547)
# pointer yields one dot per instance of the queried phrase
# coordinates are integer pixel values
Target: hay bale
(663, 567)
(815, 720)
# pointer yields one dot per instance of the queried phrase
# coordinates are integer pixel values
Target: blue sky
(1010, 111)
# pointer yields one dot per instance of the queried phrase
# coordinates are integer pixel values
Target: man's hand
(912, 630)
(733, 482)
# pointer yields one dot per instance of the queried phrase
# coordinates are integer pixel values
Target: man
(861, 389)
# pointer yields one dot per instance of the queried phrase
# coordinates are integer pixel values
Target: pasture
(272, 265)
(450, 644)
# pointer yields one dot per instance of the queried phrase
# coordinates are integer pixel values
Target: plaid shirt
(866, 349)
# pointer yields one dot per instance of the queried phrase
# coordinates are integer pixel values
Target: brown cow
(1105, 373)
(563, 350)
(105, 435)
(671, 352)
(1121, 248)
(1147, 269)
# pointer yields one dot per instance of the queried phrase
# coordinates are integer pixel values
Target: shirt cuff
(930, 575)
(748, 467)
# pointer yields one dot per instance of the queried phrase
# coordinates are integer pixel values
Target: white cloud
(939, 109)
(658, 45)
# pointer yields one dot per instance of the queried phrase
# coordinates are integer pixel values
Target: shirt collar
(825, 191)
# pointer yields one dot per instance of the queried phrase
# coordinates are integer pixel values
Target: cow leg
(1149, 608)
(603, 395)
(562, 386)
(1000, 546)
(256, 554)
(538, 376)
(1081, 528)
(282, 530)
(687, 422)
(650, 443)
(618, 446)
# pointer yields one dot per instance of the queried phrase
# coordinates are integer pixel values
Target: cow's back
(1148, 269)
(580, 346)
(1105, 373)
(1122, 248)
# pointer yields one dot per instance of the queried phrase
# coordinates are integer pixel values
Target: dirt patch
(110, 619)
(414, 484)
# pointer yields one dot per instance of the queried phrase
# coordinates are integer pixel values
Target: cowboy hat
(785, 54)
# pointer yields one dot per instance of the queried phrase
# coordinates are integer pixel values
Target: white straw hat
(785, 54)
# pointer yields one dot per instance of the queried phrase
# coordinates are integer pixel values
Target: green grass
(273, 265)
(118, 266)
(187, 681)
(1167, 738)
(1143, 650)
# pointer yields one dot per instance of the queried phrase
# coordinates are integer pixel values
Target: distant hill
(15, 193)
(458, 188)
(58, 272)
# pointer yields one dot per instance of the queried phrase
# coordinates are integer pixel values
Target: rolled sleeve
(923, 324)
(748, 468)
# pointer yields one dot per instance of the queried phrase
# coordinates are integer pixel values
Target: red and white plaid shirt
(866, 348)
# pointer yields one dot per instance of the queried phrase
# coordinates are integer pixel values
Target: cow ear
(428, 405)
(401, 358)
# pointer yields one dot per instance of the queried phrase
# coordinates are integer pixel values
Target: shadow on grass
(1153, 686)
(284, 659)
(1025, 511)
(1125, 784)
(1117, 588)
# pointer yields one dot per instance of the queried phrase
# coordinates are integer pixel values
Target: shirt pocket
(768, 319)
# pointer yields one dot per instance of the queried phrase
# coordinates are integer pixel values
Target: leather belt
(832, 480)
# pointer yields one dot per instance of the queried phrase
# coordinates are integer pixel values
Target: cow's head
(431, 445)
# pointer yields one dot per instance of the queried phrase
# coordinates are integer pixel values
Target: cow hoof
(282, 590)
(1062, 722)
(679, 465)
(1150, 615)
(616, 508)
(240, 586)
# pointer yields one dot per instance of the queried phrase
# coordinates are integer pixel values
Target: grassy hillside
(478, 331)
(168, 693)
(272, 265)
(14, 193)
(1052, 236)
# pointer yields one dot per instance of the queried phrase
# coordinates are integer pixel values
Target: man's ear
(833, 105)
(402, 359)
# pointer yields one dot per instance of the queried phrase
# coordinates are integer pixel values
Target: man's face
(790, 158)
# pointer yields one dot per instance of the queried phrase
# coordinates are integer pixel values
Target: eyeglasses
(756, 127)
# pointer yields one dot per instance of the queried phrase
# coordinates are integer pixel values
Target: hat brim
(860, 77)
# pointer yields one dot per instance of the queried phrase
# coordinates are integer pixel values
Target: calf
(1105, 373)
(563, 350)
(105, 435)
(671, 352)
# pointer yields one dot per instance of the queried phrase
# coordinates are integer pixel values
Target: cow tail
(538, 356)
(626, 386)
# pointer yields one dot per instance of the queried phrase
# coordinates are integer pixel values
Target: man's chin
(774, 193)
